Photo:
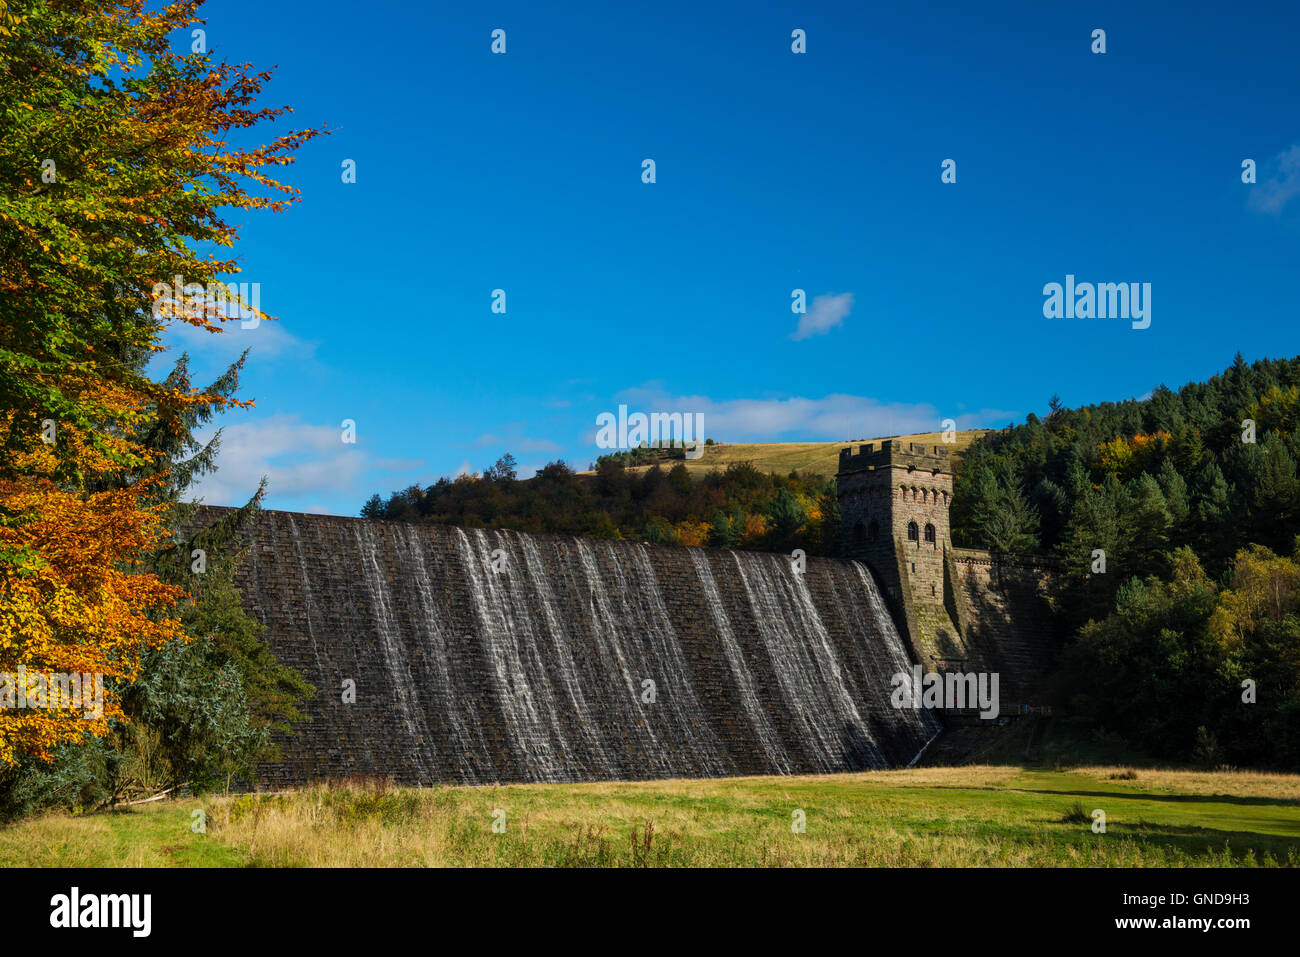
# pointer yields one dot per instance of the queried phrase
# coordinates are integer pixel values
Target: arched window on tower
(873, 531)
(860, 534)
(929, 533)
(911, 531)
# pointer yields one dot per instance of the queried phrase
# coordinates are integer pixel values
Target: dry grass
(821, 458)
(1000, 816)
(1258, 784)
(933, 817)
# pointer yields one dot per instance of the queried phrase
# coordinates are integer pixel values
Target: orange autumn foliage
(692, 533)
(74, 603)
(754, 532)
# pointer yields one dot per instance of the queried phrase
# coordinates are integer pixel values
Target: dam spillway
(482, 656)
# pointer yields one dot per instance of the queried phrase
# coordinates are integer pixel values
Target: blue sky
(775, 171)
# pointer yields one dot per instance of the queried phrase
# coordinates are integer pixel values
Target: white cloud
(1273, 195)
(298, 459)
(515, 441)
(539, 445)
(826, 313)
(269, 339)
(832, 418)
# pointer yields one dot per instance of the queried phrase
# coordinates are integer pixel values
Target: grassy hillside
(820, 458)
(979, 815)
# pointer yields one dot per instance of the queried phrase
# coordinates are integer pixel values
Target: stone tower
(894, 517)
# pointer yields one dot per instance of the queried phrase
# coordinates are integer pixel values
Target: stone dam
(495, 656)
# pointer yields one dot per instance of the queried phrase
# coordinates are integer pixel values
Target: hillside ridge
(821, 458)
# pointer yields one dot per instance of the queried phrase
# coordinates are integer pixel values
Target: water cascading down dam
(495, 656)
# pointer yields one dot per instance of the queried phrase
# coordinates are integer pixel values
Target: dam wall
(479, 656)
(1005, 619)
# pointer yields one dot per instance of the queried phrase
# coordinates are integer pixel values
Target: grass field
(968, 816)
(820, 458)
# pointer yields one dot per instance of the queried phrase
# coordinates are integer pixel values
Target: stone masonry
(961, 609)
(434, 665)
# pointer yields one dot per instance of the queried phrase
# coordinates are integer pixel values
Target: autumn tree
(116, 169)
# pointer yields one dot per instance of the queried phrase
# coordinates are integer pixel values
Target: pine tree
(828, 503)
(1213, 518)
(1274, 493)
(1150, 522)
(725, 529)
(1003, 518)
(1174, 487)
(1093, 555)
(788, 516)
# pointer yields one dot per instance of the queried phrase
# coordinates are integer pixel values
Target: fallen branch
(157, 797)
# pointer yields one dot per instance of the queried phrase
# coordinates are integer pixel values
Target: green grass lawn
(985, 815)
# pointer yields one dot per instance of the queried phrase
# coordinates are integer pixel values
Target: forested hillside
(1211, 466)
(1175, 519)
(736, 507)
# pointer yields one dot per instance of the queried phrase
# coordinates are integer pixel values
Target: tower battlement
(895, 453)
